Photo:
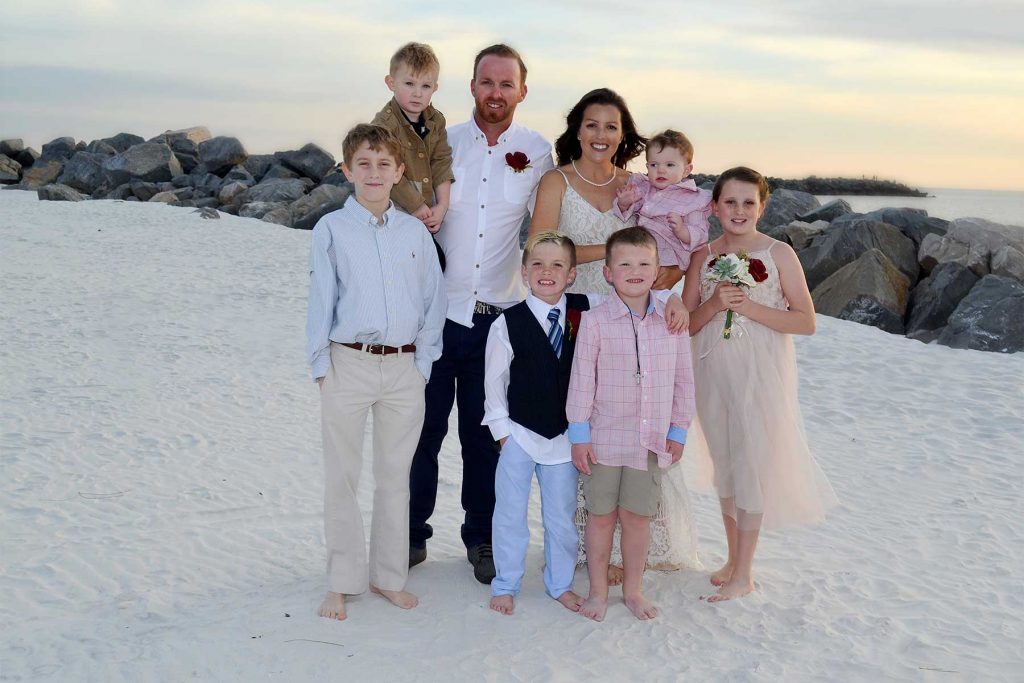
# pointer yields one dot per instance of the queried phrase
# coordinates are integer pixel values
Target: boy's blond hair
(378, 138)
(419, 57)
(550, 237)
(635, 236)
(674, 139)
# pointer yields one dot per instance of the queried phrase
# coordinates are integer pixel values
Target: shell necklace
(588, 181)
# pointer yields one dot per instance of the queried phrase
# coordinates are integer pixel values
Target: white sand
(160, 499)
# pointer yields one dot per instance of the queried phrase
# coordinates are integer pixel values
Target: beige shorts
(612, 486)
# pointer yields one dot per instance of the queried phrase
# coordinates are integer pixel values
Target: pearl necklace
(591, 182)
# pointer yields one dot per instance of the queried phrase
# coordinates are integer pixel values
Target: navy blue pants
(457, 375)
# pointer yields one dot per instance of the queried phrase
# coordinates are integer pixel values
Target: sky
(927, 92)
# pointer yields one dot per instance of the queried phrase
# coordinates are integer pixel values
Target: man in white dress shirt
(497, 166)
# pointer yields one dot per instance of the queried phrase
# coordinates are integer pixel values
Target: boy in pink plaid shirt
(668, 204)
(630, 403)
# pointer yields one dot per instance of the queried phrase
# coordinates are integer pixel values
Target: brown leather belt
(380, 349)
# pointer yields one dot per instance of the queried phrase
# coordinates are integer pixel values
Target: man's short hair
(378, 138)
(501, 50)
(550, 237)
(635, 236)
(419, 57)
(675, 140)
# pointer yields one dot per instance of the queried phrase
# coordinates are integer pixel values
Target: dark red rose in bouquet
(757, 270)
(517, 161)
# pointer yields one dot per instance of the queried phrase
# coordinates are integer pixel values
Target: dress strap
(562, 173)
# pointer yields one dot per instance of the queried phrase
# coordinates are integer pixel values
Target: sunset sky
(929, 92)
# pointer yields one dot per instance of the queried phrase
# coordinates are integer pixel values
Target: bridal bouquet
(739, 270)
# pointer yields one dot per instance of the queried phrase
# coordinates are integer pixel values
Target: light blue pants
(510, 527)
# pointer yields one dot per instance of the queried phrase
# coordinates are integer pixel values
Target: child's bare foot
(570, 601)
(614, 575)
(642, 608)
(403, 599)
(735, 588)
(333, 606)
(594, 607)
(722, 576)
(505, 604)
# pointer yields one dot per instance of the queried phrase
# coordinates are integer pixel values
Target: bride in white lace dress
(577, 199)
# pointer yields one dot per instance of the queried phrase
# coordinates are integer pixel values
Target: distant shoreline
(833, 186)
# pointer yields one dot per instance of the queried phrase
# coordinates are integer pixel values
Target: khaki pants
(393, 388)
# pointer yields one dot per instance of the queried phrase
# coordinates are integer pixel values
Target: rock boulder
(990, 317)
(937, 296)
(860, 289)
(274, 191)
(149, 162)
(10, 170)
(59, 193)
(1008, 262)
(306, 211)
(84, 172)
(837, 247)
(311, 161)
(827, 212)
(784, 206)
(42, 173)
(221, 153)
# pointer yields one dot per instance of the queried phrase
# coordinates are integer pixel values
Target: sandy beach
(160, 505)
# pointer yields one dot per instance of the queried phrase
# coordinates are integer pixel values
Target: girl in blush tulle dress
(746, 385)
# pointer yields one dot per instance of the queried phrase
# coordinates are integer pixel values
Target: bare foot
(614, 575)
(570, 601)
(403, 599)
(642, 608)
(722, 576)
(505, 604)
(333, 606)
(734, 589)
(594, 607)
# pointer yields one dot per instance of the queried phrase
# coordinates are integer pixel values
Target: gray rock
(195, 135)
(1008, 262)
(274, 191)
(100, 147)
(990, 317)
(849, 292)
(259, 209)
(801, 234)
(311, 161)
(925, 336)
(279, 172)
(785, 205)
(80, 146)
(219, 154)
(11, 146)
(121, 192)
(229, 192)
(336, 177)
(936, 249)
(258, 164)
(10, 170)
(827, 212)
(937, 296)
(278, 216)
(149, 162)
(59, 148)
(182, 180)
(240, 174)
(41, 173)
(144, 191)
(914, 223)
(59, 193)
(122, 141)
(837, 247)
(167, 197)
(714, 228)
(868, 311)
(207, 203)
(84, 172)
(306, 211)
(26, 157)
(208, 213)
(986, 236)
(206, 181)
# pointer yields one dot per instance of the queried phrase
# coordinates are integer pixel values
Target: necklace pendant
(638, 376)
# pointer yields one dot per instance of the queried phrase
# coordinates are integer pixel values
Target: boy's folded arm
(323, 295)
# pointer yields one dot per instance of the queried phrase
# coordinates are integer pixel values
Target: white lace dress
(673, 535)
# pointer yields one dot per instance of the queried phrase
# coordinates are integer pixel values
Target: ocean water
(999, 206)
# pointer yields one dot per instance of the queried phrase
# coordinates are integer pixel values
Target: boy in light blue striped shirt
(376, 313)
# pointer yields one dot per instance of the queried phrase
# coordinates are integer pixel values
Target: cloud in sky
(929, 92)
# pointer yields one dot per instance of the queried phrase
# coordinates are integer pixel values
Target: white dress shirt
(489, 201)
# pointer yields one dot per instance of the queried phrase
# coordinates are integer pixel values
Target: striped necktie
(555, 333)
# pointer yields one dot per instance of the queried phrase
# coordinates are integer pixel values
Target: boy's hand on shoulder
(677, 318)
(423, 213)
(582, 456)
(675, 449)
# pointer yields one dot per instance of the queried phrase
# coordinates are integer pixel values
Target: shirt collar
(540, 309)
(479, 134)
(619, 307)
(360, 213)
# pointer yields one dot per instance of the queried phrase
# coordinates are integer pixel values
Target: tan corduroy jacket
(428, 161)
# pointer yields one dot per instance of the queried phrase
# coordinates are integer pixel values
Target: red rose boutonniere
(572, 322)
(517, 161)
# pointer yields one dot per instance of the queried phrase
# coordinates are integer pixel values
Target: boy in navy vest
(526, 382)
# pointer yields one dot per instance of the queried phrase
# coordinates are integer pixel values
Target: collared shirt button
(420, 155)
(478, 265)
(426, 180)
(481, 234)
(485, 180)
(481, 206)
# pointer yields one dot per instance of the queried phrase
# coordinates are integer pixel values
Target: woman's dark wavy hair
(567, 146)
